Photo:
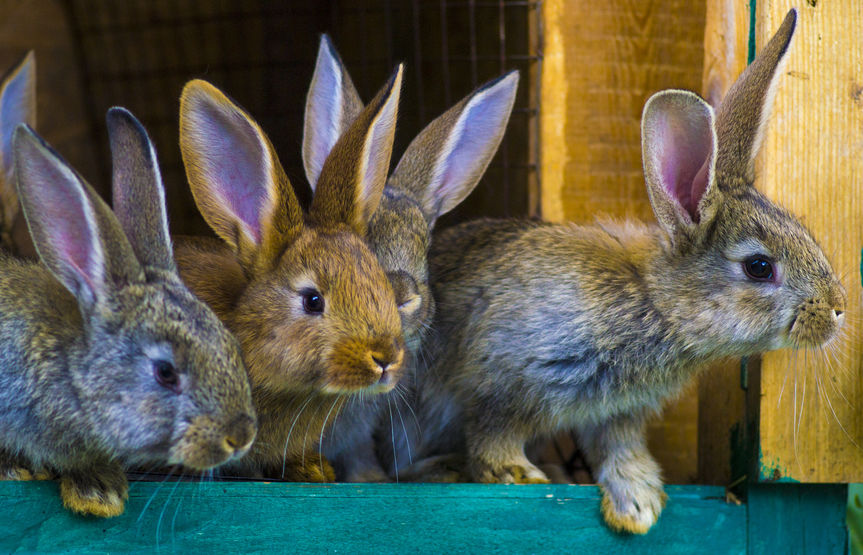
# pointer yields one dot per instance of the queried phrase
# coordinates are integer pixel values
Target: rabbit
(311, 306)
(107, 359)
(546, 327)
(17, 105)
(438, 170)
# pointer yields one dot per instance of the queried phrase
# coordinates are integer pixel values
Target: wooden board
(601, 63)
(812, 163)
(377, 518)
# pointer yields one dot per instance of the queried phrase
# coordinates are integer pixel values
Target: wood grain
(812, 163)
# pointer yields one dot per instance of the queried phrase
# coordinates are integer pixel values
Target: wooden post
(811, 413)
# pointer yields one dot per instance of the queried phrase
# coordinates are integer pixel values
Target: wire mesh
(138, 54)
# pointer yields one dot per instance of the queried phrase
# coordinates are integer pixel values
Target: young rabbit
(106, 358)
(552, 326)
(17, 105)
(311, 306)
(438, 170)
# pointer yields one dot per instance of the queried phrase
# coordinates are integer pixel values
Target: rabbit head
(315, 312)
(440, 167)
(157, 376)
(762, 281)
(17, 105)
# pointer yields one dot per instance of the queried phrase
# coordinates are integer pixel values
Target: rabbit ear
(353, 177)
(742, 117)
(679, 150)
(74, 231)
(236, 178)
(139, 197)
(17, 105)
(331, 106)
(446, 160)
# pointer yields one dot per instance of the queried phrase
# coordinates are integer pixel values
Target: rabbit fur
(274, 263)
(17, 105)
(107, 357)
(440, 167)
(544, 327)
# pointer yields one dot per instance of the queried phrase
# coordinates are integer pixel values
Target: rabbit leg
(100, 489)
(360, 464)
(630, 478)
(497, 456)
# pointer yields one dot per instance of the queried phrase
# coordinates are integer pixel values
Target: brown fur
(301, 364)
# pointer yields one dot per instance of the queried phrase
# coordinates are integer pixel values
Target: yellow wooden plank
(812, 163)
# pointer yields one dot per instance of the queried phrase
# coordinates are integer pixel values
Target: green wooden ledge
(213, 517)
(379, 518)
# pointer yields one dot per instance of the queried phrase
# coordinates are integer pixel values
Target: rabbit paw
(632, 507)
(509, 473)
(314, 468)
(14, 469)
(368, 475)
(439, 469)
(100, 492)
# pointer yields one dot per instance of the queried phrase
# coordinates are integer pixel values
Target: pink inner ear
(685, 147)
(236, 167)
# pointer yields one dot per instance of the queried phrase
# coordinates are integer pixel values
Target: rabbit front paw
(520, 472)
(15, 469)
(632, 507)
(100, 491)
(313, 468)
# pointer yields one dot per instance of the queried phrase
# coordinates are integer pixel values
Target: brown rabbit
(553, 326)
(311, 306)
(17, 105)
(440, 167)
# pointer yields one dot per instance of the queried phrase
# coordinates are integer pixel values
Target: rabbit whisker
(323, 426)
(393, 438)
(404, 428)
(150, 500)
(162, 514)
(290, 431)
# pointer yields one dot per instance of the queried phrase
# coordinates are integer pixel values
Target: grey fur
(78, 393)
(544, 327)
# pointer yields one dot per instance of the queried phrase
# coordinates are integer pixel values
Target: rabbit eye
(166, 375)
(313, 302)
(758, 269)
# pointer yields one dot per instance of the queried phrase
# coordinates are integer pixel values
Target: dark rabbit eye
(313, 302)
(166, 375)
(758, 268)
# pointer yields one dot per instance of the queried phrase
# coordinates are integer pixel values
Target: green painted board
(349, 518)
(797, 518)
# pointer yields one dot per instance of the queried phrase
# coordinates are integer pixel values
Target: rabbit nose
(240, 434)
(382, 362)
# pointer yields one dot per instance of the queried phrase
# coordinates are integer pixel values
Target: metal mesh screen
(138, 54)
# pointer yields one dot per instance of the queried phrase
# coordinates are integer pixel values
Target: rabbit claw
(102, 492)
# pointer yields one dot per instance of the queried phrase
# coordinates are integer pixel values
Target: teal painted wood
(797, 518)
(380, 518)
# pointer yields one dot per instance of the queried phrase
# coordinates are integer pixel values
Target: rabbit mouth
(814, 325)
